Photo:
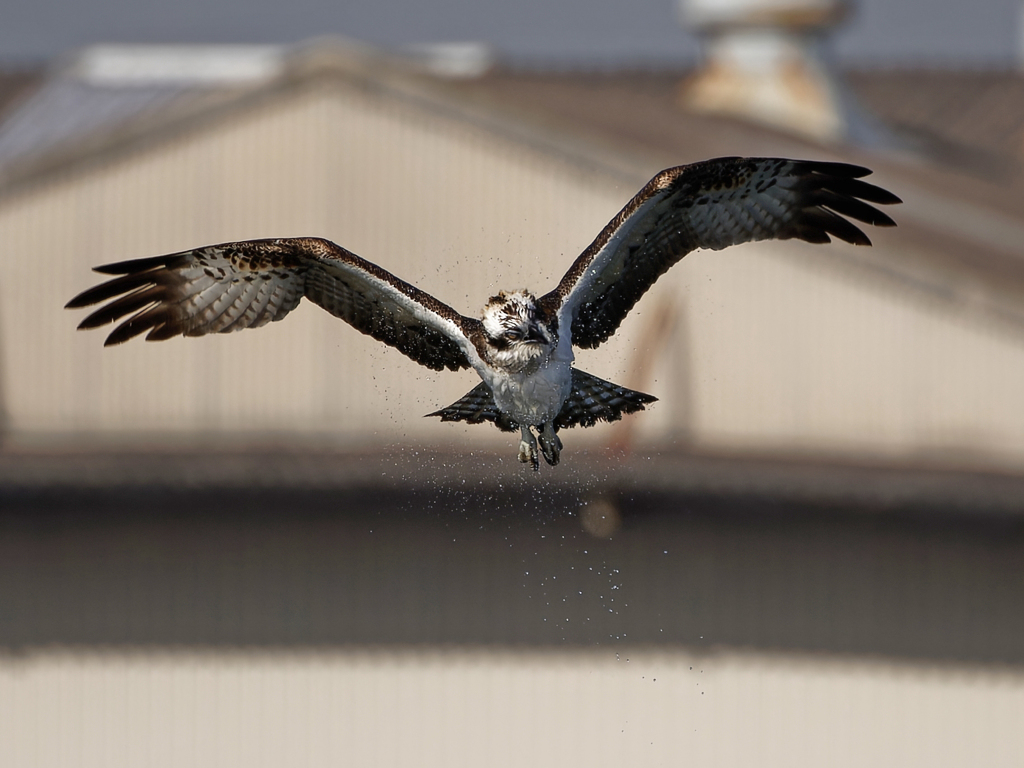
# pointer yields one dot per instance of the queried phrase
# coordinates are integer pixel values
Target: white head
(518, 336)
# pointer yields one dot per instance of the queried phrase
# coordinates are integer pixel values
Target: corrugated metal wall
(447, 207)
(789, 346)
(260, 628)
(776, 346)
(473, 708)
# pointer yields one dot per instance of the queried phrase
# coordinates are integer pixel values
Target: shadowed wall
(275, 568)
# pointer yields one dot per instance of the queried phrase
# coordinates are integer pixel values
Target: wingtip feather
(847, 170)
(133, 266)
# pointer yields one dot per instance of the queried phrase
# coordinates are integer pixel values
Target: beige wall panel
(775, 346)
(789, 350)
(392, 183)
(470, 708)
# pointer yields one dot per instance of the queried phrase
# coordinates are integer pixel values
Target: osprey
(522, 345)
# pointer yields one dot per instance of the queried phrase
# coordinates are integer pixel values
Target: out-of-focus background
(252, 550)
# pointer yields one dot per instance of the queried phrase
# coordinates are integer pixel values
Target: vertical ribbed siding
(395, 185)
(788, 346)
(789, 349)
(626, 706)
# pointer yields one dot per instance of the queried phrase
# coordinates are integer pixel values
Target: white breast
(534, 398)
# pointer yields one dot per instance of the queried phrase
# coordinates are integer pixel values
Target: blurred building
(250, 549)
(911, 350)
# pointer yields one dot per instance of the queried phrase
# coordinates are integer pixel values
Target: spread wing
(228, 287)
(712, 204)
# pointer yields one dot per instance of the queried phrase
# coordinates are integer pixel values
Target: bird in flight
(522, 345)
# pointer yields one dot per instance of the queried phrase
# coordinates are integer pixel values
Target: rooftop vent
(766, 60)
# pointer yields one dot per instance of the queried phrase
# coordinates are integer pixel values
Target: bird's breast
(533, 398)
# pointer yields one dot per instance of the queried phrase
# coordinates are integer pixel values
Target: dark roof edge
(895, 487)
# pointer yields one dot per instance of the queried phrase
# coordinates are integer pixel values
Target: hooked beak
(534, 336)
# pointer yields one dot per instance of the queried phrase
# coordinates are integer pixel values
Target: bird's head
(519, 336)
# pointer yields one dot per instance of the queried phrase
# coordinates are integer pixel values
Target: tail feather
(476, 407)
(593, 400)
(590, 401)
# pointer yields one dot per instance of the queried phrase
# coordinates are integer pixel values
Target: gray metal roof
(108, 86)
(65, 108)
(600, 33)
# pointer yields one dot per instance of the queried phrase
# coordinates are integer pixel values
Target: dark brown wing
(228, 287)
(713, 204)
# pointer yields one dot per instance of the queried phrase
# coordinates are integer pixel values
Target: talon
(528, 448)
(527, 454)
(550, 444)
